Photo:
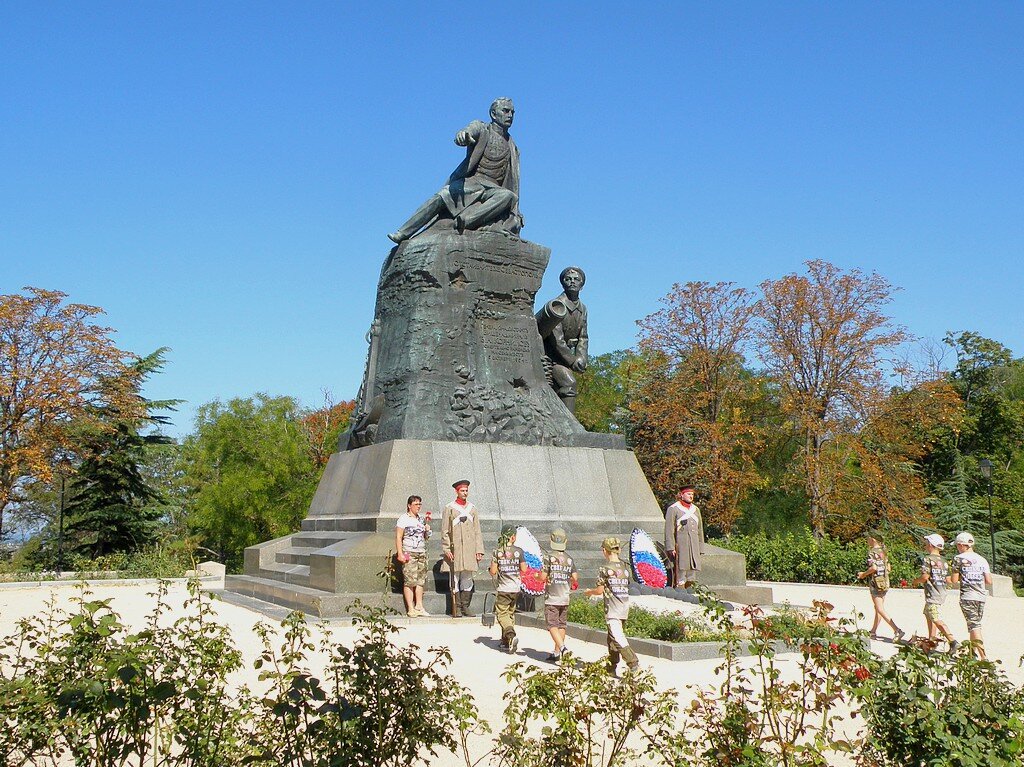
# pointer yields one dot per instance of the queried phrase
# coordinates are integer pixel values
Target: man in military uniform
(462, 544)
(484, 189)
(684, 537)
(566, 344)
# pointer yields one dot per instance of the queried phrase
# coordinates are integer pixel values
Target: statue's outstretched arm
(470, 133)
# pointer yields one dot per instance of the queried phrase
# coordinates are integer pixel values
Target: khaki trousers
(618, 646)
(505, 610)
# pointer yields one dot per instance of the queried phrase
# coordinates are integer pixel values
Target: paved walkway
(479, 663)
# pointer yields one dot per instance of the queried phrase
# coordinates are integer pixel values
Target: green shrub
(156, 562)
(79, 687)
(790, 624)
(669, 627)
(378, 704)
(943, 710)
(802, 558)
(588, 718)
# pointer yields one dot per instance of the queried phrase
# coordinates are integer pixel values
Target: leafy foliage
(80, 686)
(157, 562)
(759, 717)
(324, 426)
(250, 472)
(112, 506)
(669, 627)
(378, 705)
(587, 718)
(942, 710)
(691, 411)
(803, 558)
(54, 362)
(821, 336)
(604, 391)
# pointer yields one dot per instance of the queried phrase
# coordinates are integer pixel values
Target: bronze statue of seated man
(484, 189)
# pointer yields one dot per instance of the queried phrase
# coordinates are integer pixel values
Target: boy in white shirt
(972, 572)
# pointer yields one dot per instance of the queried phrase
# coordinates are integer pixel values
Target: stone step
(290, 595)
(294, 555)
(326, 605)
(285, 573)
(316, 540)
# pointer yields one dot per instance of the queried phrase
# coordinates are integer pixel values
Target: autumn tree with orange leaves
(324, 426)
(691, 421)
(56, 364)
(882, 484)
(822, 336)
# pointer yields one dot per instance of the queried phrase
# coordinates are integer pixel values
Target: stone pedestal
(349, 531)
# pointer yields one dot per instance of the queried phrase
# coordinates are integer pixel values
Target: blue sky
(220, 177)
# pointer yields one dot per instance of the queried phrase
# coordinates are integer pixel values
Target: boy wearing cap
(561, 577)
(972, 572)
(613, 584)
(934, 574)
(507, 565)
(462, 544)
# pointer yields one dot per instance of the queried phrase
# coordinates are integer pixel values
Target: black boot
(467, 597)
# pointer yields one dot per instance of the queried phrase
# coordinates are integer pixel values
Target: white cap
(935, 540)
(966, 539)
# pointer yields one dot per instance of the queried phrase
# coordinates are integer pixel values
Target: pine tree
(113, 508)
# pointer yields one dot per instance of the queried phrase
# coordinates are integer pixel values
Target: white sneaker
(421, 612)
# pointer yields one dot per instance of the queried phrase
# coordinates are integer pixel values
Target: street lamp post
(985, 466)
(60, 529)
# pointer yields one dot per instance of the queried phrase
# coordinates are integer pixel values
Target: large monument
(464, 377)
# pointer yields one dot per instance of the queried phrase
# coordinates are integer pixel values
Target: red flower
(903, 583)
(862, 673)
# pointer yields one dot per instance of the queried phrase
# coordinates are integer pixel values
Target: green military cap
(559, 539)
(508, 531)
(611, 544)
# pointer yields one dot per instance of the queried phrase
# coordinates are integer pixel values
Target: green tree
(250, 473)
(112, 506)
(989, 381)
(604, 387)
(54, 360)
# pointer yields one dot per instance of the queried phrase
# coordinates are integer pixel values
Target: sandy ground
(479, 662)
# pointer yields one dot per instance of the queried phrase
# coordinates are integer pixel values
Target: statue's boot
(424, 215)
(570, 403)
(494, 208)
